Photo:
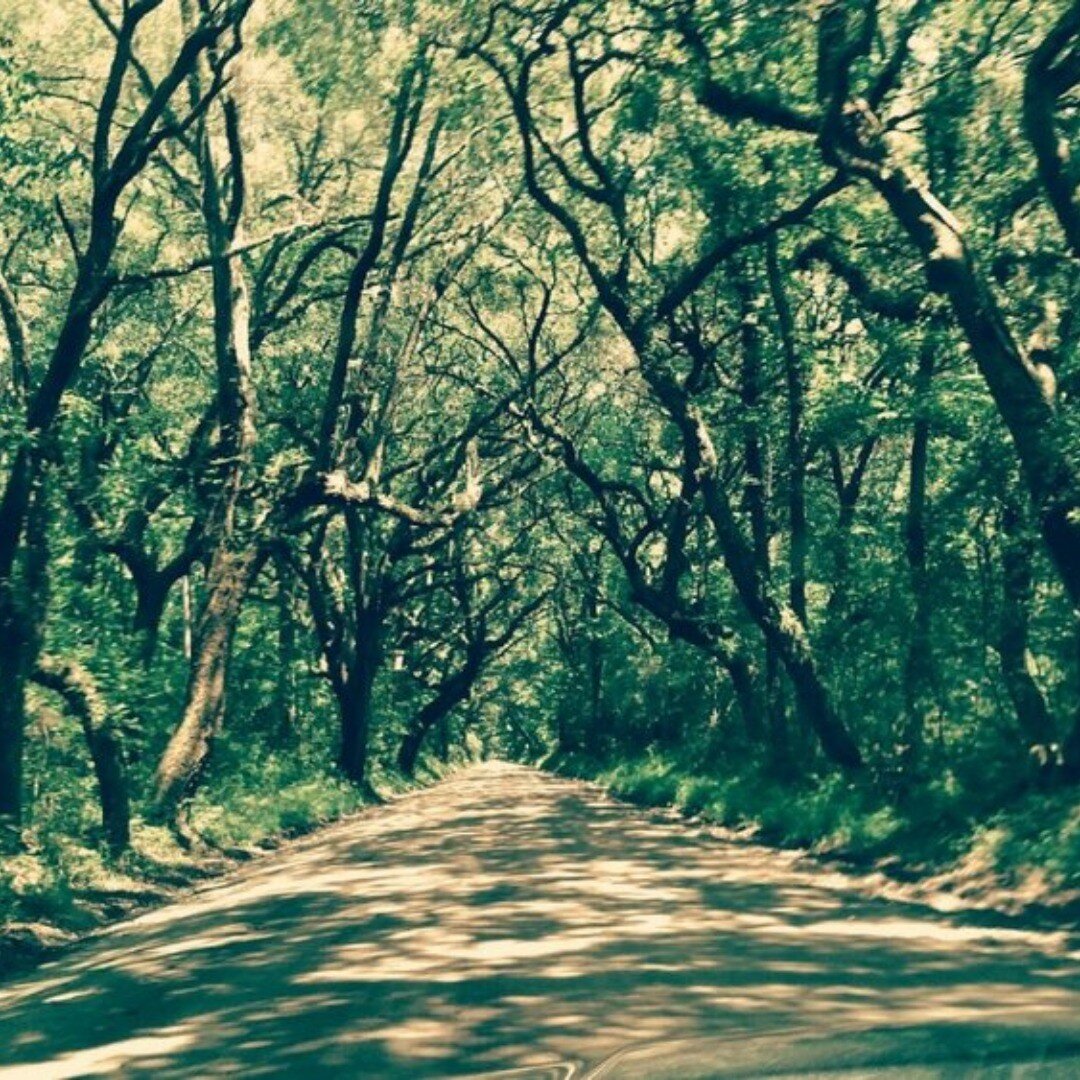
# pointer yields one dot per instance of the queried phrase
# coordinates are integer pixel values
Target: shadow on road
(504, 919)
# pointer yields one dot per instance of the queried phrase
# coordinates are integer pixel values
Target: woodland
(680, 394)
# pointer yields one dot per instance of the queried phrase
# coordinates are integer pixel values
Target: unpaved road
(505, 919)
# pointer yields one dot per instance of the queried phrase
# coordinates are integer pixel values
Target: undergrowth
(938, 827)
(64, 882)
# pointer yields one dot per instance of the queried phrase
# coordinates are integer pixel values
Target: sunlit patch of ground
(505, 919)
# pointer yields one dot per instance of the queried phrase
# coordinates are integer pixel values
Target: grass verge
(63, 883)
(1024, 856)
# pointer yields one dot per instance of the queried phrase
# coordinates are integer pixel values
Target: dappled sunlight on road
(505, 919)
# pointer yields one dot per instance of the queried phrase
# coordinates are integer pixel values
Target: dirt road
(505, 919)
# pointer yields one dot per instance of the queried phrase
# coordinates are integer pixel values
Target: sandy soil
(504, 919)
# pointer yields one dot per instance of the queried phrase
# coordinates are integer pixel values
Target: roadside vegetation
(1020, 856)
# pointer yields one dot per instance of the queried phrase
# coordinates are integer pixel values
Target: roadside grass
(63, 883)
(1030, 849)
(238, 815)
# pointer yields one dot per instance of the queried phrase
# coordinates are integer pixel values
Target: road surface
(505, 919)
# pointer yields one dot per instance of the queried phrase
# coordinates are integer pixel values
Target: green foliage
(1030, 850)
(281, 800)
(1035, 843)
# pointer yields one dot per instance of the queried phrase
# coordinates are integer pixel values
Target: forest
(680, 394)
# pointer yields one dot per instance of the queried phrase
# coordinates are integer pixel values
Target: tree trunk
(1032, 715)
(1022, 390)
(285, 687)
(229, 578)
(80, 693)
(151, 595)
(779, 625)
(23, 598)
(1051, 74)
(918, 664)
(234, 559)
(444, 733)
(595, 737)
(838, 616)
(756, 500)
(355, 704)
(409, 751)
(781, 628)
(795, 383)
(1071, 748)
(15, 662)
(452, 692)
(741, 675)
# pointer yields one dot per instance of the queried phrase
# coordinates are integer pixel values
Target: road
(505, 919)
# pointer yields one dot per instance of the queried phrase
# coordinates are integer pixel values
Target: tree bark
(1032, 714)
(23, 599)
(229, 578)
(285, 686)
(1023, 391)
(355, 704)
(795, 384)
(15, 664)
(1071, 748)
(1052, 71)
(918, 664)
(235, 559)
(756, 496)
(151, 595)
(453, 691)
(76, 686)
(779, 625)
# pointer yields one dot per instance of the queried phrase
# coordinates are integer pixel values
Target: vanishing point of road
(508, 920)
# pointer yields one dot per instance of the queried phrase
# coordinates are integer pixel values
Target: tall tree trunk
(745, 691)
(285, 686)
(918, 664)
(451, 694)
(22, 571)
(1051, 74)
(594, 669)
(151, 595)
(444, 734)
(1022, 390)
(16, 659)
(1071, 747)
(838, 616)
(409, 751)
(781, 628)
(23, 598)
(728, 653)
(234, 559)
(795, 384)
(756, 498)
(779, 625)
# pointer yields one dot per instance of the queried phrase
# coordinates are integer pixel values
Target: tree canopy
(544, 378)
